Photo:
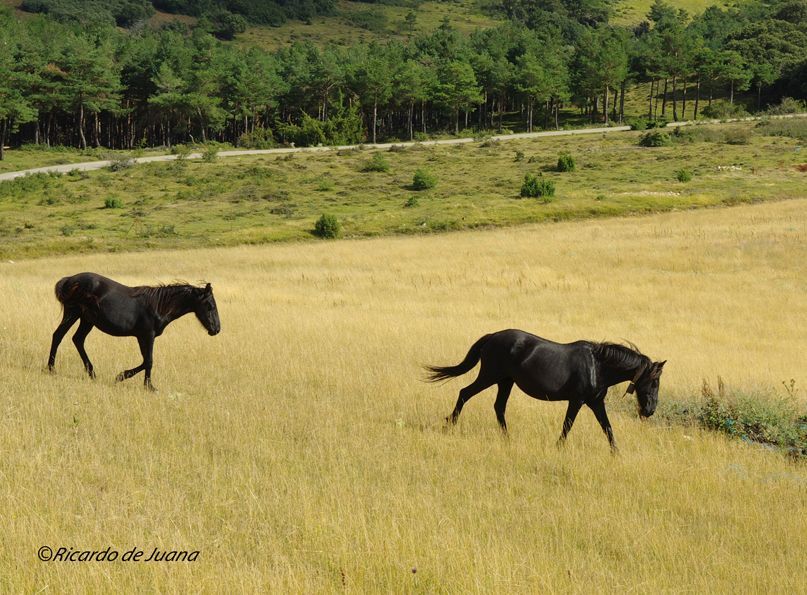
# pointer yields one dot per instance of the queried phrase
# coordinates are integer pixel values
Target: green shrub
(519, 156)
(121, 163)
(260, 138)
(423, 180)
(725, 111)
(327, 226)
(753, 418)
(210, 153)
(638, 124)
(683, 175)
(737, 136)
(181, 151)
(792, 127)
(655, 138)
(325, 185)
(537, 187)
(412, 201)
(113, 203)
(376, 163)
(565, 162)
(788, 105)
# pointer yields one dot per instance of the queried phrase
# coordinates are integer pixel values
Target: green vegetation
(327, 227)
(140, 87)
(376, 163)
(537, 187)
(766, 419)
(267, 198)
(565, 162)
(683, 175)
(655, 138)
(423, 180)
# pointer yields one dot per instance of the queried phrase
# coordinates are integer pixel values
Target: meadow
(299, 451)
(270, 198)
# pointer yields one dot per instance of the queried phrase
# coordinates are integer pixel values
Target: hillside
(267, 198)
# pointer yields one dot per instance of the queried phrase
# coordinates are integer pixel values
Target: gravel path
(91, 165)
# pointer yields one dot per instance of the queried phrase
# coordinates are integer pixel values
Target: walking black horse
(578, 372)
(122, 311)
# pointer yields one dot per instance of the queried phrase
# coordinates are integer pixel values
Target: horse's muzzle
(214, 333)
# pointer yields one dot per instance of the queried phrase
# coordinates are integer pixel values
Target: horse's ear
(660, 365)
(208, 288)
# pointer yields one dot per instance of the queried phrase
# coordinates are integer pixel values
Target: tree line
(61, 84)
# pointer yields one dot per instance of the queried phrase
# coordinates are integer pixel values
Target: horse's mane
(619, 356)
(167, 298)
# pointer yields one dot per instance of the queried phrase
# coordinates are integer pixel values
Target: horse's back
(542, 368)
(85, 287)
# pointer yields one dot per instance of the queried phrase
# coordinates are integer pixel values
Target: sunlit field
(300, 451)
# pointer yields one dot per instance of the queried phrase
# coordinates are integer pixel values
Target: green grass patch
(267, 198)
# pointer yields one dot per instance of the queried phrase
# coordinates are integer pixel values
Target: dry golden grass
(299, 452)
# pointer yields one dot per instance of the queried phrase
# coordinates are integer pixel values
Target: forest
(124, 85)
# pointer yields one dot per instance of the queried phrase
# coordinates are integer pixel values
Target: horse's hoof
(51, 370)
(150, 387)
(120, 377)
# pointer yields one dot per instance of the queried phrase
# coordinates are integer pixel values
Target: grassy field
(379, 22)
(261, 199)
(298, 451)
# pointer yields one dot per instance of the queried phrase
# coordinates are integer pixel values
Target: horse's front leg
(146, 344)
(598, 407)
(147, 348)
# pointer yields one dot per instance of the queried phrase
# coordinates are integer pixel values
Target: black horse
(578, 372)
(122, 311)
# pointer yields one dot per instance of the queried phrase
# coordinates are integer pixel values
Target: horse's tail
(70, 291)
(62, 291)
(438, 373)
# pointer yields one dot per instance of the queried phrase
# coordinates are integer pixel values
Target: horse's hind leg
(571, 414)
(482, 382)
(78, 340)
(505, 386)
(69, 318)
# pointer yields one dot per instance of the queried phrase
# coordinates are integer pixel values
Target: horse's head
(647, 388)
(206, 310)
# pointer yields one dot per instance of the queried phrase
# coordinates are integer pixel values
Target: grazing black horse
(122, 311)
(578, 372)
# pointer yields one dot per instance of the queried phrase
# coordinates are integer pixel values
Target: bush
(793, 127)
(788, 105)
(655, 138)
(724, 111)
(756, 419)
(120, 163)
(537, 187)
(683, 175)
(565, 162)
(412, 201)
(113, 203)
(519, 156)
(376, 163)
(210, 153)
(423, 180)
(260, 138)
(181, 151)
(327, 226)
(737, 136)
